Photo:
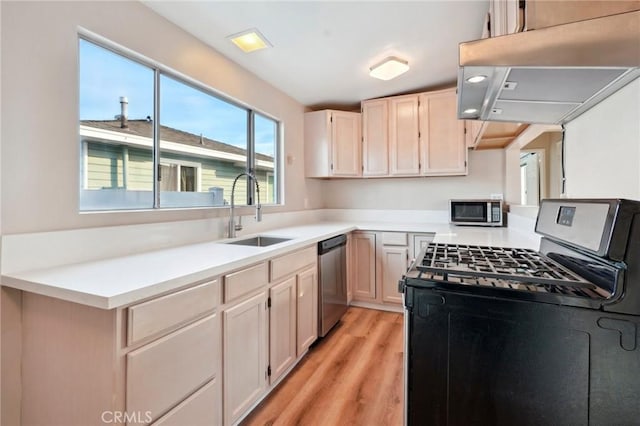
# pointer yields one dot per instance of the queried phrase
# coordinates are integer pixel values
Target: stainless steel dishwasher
(332, 291)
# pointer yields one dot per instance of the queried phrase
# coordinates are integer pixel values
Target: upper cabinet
(404, 151)
(443, 149)
(544, 13)
(408, 135)
(512, 16)
(506, 17)
(332, 140)
(375, 137)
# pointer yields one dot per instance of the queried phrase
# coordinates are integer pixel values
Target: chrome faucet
(233, 227)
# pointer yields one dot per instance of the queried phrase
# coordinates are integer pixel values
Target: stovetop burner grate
(510, 268)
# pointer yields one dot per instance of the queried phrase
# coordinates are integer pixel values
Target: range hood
(549, 75)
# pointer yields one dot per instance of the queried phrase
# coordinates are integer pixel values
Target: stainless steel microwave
(476, 212)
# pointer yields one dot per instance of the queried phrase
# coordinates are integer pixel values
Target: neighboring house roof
(144, 128)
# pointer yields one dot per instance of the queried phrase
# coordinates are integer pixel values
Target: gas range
(506, 336)
(501, 268)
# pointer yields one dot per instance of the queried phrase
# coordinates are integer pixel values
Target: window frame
(162, 70)
(184, 163)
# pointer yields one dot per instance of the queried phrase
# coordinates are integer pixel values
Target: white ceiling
(322, 50)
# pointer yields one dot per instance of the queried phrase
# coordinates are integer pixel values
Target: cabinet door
(282, 327)
(201, 408)
(404, 158)
(245, 356)
(473, 132)
(364, 266)
(419, 243)
(345, 146)
(506, 17)
(166, 371)
(443, 148)
(307, 309)
(375, 145)
(350, 267)
(317, 144)
(394, 265)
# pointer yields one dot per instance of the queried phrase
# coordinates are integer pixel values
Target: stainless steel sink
(259, 241)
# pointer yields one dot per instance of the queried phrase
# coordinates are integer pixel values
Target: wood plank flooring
(351, 377)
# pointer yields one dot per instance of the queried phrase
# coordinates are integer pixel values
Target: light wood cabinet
(544, 13)
(186, 360)
(375, 137)
(364, 266)
(282, 327)
(419, 242)
(332, 144)
(404, 144)
(378, 261)
(161, 314)
(394, 265)
(155, 360)
(506, 17)
(199, 409)
(307, 309)
(350, 268)
(442, 141)
(175, 359)
(245, 355)
(420, 134)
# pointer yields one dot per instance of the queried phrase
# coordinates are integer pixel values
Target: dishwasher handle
(330, 244)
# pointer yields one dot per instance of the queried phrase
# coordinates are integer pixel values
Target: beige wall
(603, 148)
(39, 169)
(486, 177)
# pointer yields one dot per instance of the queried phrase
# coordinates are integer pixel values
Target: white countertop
(120, 281)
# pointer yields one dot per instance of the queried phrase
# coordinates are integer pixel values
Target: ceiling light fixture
(389, 68)
(477, 78)
(470, 111)
(250, 40)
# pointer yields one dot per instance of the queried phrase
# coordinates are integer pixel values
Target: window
(150, 139)
(117, 156)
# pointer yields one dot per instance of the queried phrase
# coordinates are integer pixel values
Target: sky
(106, 76)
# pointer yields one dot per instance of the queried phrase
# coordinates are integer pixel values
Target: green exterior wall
(119, 166)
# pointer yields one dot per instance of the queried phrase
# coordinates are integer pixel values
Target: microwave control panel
(495, 212)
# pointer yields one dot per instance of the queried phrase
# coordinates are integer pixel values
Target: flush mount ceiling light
(477, 78)
(389, 68)
(250, 40)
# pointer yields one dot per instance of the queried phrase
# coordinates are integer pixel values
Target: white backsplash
(27, 252)
(41, 250)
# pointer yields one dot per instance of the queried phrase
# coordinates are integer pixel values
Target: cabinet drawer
(166, 371)
(289, 263)
(200, 409)
(394, 239)
(152, 317)
(245, 281)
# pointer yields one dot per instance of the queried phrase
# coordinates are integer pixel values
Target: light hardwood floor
(351, 377)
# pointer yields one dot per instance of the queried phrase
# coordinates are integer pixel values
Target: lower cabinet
(163, 360)
(267, 329)
(282, 327)
(199, 409)
(153, 362)
(245, 355)
(394, 265)
(377, 262)
(363, 265)
(307, 309)
(163, 373)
